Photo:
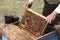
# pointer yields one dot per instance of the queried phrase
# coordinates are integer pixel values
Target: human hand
(51, 17)
(28, 5)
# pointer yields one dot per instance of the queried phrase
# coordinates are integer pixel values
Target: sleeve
(58, 9)
(30, 0)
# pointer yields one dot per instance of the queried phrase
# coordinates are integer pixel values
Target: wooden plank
(12, 32)
(35, 13)
(34, 22)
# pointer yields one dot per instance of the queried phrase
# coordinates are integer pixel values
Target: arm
(53, 15)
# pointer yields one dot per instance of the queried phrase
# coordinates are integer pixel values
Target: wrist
(54, 13)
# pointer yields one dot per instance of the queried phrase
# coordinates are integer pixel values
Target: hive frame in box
(35, 13)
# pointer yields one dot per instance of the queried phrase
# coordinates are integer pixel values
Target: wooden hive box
(34, 22)
(12, 32)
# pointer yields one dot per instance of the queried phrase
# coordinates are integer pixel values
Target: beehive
(12, 32)
(32, 26)
(34, 22)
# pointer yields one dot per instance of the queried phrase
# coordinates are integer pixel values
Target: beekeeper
(52, 11)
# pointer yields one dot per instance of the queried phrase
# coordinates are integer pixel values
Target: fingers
(49, 19)
(28, 5)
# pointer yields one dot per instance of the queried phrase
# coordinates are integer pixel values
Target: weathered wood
(34, 22)
(12, 32)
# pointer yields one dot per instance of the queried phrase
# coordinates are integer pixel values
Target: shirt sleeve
(58, 9)
(30, 0)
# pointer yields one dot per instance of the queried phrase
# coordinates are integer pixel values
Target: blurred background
(8, 7)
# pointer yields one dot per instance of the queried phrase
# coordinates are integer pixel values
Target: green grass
(8, 7)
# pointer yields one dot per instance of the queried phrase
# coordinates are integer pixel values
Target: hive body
(34, 23)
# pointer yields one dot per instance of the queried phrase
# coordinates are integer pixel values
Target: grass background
(8, 7)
